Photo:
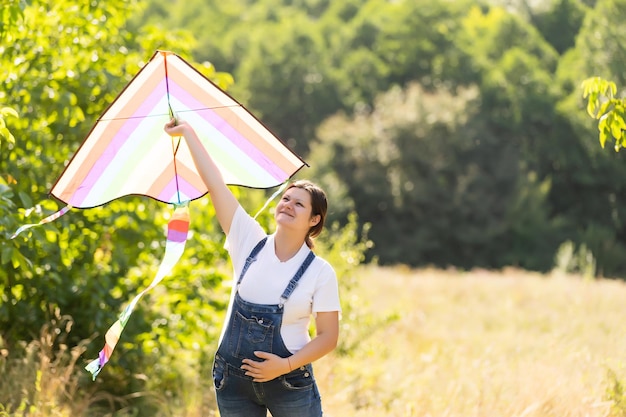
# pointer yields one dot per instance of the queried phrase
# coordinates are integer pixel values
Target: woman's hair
(319, 207)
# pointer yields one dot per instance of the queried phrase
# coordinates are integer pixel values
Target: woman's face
(294, 210)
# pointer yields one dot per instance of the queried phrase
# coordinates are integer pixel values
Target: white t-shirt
(267, 278)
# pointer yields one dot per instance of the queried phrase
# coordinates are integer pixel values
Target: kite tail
(177, 230)
(48, 219)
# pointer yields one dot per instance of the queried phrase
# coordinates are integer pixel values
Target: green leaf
(7, 111)
(586, 86)
(591, 107)
(25, 199)
(603, 133)
(604, 108)
(616, 131)
(7, 254)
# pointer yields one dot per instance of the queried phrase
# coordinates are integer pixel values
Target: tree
(593, 175)
(297, 63)
(602, 42)
(443, 185)
(560, 23)
(11, 13)
(63, 64)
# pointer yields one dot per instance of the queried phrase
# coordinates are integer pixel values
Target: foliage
(299, 63)
(602, 42)
(533, 232)
(602, 105)
(336, 55)
(616, 393)
(344, 247)
(560, 23)
(4, 131)
(389, 158)
(11, 13)
(589, 176)
(610, 111)
(569, 260)
(64, 62)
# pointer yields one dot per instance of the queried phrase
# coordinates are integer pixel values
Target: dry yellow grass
(482, 343)
(433, 343)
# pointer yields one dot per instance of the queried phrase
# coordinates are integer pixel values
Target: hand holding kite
(222, 198)
(175, 128)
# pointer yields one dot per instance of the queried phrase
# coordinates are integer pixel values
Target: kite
(127, 153)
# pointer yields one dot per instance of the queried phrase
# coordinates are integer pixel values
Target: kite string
(272, 197)
(173, 116)
(174, 152)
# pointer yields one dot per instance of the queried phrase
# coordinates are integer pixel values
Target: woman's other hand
(271, 367)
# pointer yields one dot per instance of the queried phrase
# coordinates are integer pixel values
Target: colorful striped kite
(128, 153)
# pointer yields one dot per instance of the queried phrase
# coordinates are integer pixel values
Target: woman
(264, 357)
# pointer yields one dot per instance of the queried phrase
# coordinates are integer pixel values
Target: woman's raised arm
(223, 199)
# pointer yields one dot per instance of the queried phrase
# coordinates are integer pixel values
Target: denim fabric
(292, 395)
(256, 327)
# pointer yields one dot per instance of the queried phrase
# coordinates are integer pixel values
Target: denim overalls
(256, 327)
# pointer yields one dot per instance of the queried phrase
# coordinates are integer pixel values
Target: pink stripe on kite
(104, 358)
(170, 192)
(116, 144)
(176, 236)
(228, 131)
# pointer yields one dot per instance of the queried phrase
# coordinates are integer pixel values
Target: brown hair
(319, 207)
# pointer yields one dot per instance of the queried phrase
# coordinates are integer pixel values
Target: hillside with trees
(504, 176)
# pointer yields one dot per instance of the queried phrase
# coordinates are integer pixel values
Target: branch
(608, 110)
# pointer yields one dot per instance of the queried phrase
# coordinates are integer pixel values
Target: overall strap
(251, 258)
(294, 281)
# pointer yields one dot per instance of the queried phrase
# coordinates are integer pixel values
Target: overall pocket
(298, 380)
(250, 334)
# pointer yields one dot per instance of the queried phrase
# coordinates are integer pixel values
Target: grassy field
(481, 344)
(425, 343)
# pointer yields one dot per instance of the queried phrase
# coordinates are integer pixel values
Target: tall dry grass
(485, 344)
(424, 343)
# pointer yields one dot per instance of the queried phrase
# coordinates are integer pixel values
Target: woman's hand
(176, 127)
(270, 368)
(223, 199)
